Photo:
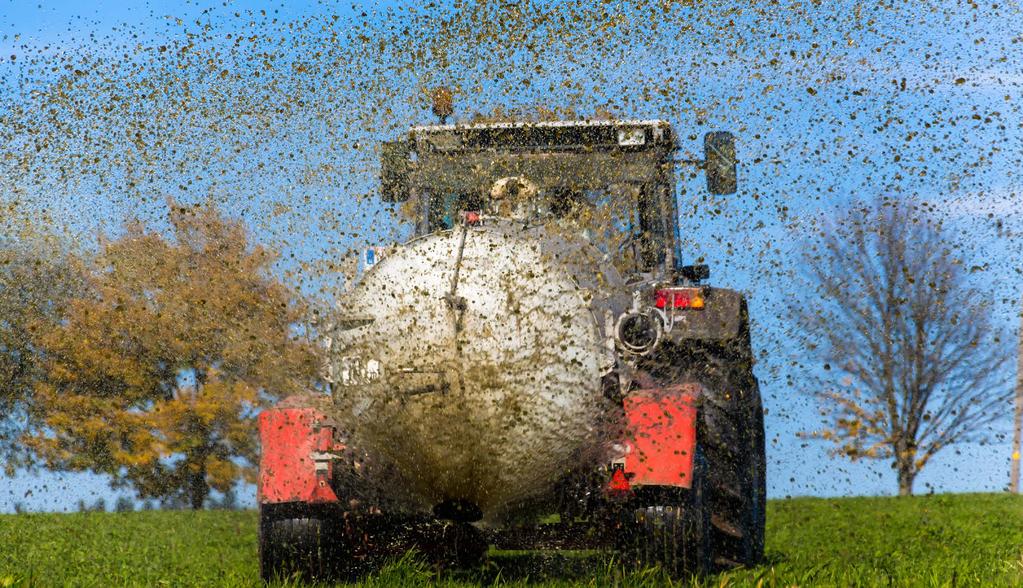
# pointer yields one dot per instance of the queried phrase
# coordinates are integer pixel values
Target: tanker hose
(638, 332)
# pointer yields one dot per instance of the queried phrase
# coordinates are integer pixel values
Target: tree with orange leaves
(156, 375)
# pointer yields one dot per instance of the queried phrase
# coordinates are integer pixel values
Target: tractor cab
(610, 181)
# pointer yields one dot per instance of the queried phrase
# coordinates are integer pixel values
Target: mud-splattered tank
(471, 361)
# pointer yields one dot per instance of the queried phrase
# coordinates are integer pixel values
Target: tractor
(537, 368)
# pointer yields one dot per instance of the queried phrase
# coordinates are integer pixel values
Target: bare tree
(912, 361)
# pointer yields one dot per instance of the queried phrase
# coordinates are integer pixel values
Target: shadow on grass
(585, 568)
(526, 568)
(520, 568)
(547, 565)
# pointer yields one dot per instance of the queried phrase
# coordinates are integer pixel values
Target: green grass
(944, 540)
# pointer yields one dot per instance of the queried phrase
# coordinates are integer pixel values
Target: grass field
(950, 540)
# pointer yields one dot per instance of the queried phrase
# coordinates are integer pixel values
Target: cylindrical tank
(470, 362)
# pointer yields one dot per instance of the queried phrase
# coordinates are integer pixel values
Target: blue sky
(831, 104)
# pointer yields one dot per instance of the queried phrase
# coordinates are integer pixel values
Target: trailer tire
(301, 546)
(670, 530)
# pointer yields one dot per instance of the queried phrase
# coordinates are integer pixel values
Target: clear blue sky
(830, 104)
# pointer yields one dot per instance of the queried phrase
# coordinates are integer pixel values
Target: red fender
(660, 436)
(295, 463)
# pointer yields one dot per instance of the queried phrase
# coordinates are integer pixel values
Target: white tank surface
(471, 361)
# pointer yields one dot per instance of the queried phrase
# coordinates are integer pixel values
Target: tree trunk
(1017, 421)
(198, 489)
(906, 476)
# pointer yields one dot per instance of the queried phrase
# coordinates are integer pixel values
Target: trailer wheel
(671, 529)
(296, 545)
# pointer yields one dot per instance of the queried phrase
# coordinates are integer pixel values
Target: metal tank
(471, 362)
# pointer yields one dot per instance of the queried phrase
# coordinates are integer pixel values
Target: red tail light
(678, 298)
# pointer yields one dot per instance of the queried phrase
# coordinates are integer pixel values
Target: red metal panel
(290, 438)
(661, 438)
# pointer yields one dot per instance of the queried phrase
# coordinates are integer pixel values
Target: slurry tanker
(538, 348)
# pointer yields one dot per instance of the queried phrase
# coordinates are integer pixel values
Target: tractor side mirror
(719, 158)
(395, 171)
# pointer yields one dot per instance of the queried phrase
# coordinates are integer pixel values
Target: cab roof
(630, 135)
(543, 124)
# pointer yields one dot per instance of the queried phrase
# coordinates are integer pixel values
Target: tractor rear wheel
(731, 433)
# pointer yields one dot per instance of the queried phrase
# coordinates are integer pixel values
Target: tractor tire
(733, 442)
(674, 533)
(759, 469)
(303, 546)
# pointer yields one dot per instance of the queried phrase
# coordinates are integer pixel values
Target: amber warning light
(665, 298)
